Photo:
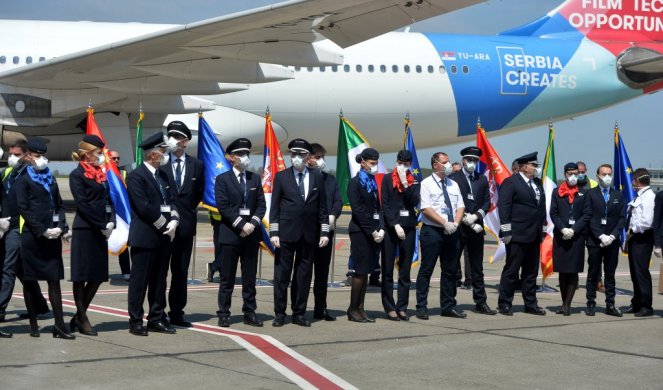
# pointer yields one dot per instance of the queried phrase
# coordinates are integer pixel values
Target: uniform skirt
(363, 251)
(41, 257)
(569, 255)
(89, 256)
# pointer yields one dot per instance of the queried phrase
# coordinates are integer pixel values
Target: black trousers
(640, 247)
(247, 253)
(293, 261)
(180, 257)
(397, 252)
(472, 243)
(609, 257)
(149, 269)
(434, 244)
(216, 264)
(321, 261)
(125, 262)
(524, 258)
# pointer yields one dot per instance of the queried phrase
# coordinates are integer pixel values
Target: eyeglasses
(115, 158)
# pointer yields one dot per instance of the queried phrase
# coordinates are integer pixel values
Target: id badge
(470, 197)
(165, 208)
(405, 213)
(108, 209)
(376, 216)
(56, 218)
(572, 221)
(604, 221)
(244, 211)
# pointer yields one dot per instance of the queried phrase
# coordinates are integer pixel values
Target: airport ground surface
(483, 352)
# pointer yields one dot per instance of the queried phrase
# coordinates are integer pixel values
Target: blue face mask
(582, 176)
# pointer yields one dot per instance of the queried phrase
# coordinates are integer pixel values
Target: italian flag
(549, 184)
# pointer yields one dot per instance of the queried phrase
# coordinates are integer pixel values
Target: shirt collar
(236, 171)
(296, 172)
(173, 158)
(150, 168)
(524, 177)
(642, 190)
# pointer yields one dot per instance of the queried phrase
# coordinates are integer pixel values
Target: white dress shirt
(432, 197)
(173, 165)
(306, 175)
(642, 211)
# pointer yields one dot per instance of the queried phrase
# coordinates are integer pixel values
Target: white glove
(567, 233)
(506, 239)
(469, 219)
(4, 224)
(53, 233)
(332, 222)
(109, 229)
(275, 241)
(605, 240)
(402, 175)
(170, 230)
(381, 233)
(477, 228)
(67, 237)
(378, 236)
(657, 252)
(450, 228)
(399, 232)
(247, 229)
(323, 242)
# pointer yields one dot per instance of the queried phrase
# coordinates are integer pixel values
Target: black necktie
(161, 189)
(300, 182)
(447, 201)
(242, 183)
(178, 173)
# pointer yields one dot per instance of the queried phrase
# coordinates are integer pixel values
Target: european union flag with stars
(212, 154)
(416, 172)
(623, 176)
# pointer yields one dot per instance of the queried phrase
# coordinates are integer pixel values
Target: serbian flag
(549, 180)
(492, 166)
(272, 163)
(117, 242)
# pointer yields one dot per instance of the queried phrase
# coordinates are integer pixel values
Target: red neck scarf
(93, 172)
(565, 190)
(397, 180)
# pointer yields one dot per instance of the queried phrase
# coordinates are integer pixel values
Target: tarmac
(480, 352)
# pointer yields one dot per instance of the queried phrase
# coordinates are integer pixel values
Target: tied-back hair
(642, 176)
(83, 149)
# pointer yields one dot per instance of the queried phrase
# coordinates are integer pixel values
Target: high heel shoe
(61, 334)
(84, 327)
(355, 316)
(72, 324)
(366, 317)
(34, 328)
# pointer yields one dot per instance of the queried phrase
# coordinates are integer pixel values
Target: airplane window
(358, 68)
(42, 59)
(454, 69)
(310, 69)
(430, 68)
(383, 68)
(443, 70)
(28, 60)
(371, 68)
(297, 68)
(418, 68)
(3, 59)
(346, 68)
(466, 70)
(394, 68)
(406, 68)
(322, 69)
(15, 59)
(334, 68)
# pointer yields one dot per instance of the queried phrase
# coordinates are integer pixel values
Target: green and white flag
(139, 139)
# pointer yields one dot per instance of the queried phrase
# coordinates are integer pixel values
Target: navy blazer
(521, 216)
(292, 218)
(393, 202)
(148, 223)
(38, 207)
(657, 225)
(333, 195)
(9, 203)
(614, 213)
(186, 200)
(364, 207)
(230, 198)
(561, 213)
(91, 199)
(480, 192)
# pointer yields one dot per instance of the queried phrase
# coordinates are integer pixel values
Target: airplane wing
(225, 54)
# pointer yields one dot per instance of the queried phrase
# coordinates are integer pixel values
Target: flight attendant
(567, 212)
(366, 230)
(93, 224)
(40, 205)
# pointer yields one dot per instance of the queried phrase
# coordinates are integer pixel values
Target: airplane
(582, 56)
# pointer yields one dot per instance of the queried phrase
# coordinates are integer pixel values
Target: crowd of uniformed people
(166, 189)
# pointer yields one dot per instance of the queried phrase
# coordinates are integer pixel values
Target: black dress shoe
(224, 321)
(630, 310)
(422, 314)
(560, 310)
(505, 310)
(5, 335)
(279, 320)
(403, 316)
(161, 327)
(590, 311)
(453, 313)
(252, 319)
(566, 311)
(537, 311)
(483, 308)
(324, 315)
(181, 322)
(613, 311)
(644, 312)
(62, 334)
(355, 316)
(138, 330)
(301, 321)
(393, 318)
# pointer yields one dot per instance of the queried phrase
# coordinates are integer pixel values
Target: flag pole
(331, 282)
(545, 288)
(193, 280)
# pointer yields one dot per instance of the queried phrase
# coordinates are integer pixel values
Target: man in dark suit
(657, 226)
(476, 196)
(241, 202)
(186, 177)
(606, 209)
(323, 256)
(522, 208)
(298, 223)
(154, 219)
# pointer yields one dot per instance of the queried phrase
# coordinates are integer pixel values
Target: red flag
(273, 159)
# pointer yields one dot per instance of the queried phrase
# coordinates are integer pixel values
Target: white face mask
(12, 160)
(165, 158)
(321, 163)
(2, 153)
(244, 162)
(101, 159)
(448, 169)
(470, 166)
(41, 163)
(173, 144)
(297, 162)
(605, 181)
(373, 170)
(572, 180)
(538, 171)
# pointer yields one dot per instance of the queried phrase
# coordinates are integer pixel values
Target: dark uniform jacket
(91, 200)
(393, 202)
(561, 212)
(520, 214)
(9, 204)
(291, 217)
(657, 225)
(480, 192)
(39, 208)
(614, 214)
(364, 207)
(148, 222)
(333, 195)
(190, 194)
(230, 199)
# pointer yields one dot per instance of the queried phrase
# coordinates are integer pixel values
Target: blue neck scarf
(45, 177)
(368, 182)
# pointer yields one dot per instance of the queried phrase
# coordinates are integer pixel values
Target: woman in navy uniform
(366, 230)
(40, 205)
(569, 236)
(93, 224)
(400, 198)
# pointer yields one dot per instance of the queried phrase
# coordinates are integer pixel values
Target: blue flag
(416, 172)
(213, 156)
(623, 178)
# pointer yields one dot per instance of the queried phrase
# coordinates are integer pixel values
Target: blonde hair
(83, 149)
